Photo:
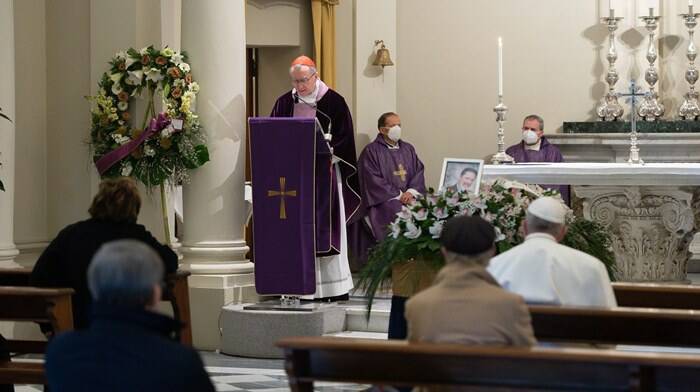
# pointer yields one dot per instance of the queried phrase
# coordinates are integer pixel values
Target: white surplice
(543, 271)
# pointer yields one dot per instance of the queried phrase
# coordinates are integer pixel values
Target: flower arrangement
(168, 147)
(164, 147)
(415, 233)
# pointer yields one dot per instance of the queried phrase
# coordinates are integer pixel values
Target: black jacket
(124, 350)
(65, 261)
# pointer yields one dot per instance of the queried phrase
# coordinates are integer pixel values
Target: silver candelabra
(651, 109)
(501, 157)
(610, 109)
(690, 110)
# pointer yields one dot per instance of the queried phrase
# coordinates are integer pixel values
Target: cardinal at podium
(310, 98)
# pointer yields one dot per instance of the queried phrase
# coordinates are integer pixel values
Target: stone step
(356, 315)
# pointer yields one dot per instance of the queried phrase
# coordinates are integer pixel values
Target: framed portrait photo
(461, 174)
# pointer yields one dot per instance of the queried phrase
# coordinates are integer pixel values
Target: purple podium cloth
(283, 169)
(548, 152)
(343, 143)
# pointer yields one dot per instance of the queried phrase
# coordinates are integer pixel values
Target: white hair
(302, 67)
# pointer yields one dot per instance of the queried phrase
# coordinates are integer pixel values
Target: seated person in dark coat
(127, 346)
(65, 261)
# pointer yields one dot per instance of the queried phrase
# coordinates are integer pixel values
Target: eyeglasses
(305, 80)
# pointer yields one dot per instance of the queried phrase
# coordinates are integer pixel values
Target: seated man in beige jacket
(465, 304)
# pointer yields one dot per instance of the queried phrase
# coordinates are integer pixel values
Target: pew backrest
(655, 295)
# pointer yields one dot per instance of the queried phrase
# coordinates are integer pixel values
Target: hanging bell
(383, 59)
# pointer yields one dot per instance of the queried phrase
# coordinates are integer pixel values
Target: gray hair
(302, 67)
(537, 118)
(124, 272)
(539, 225)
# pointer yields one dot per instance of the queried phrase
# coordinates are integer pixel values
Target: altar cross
(632, 95)
(282, 193)
(401, 172)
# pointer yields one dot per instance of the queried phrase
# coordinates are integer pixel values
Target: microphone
(328, 136)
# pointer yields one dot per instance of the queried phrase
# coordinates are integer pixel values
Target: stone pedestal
(253, 333)
(651, 228)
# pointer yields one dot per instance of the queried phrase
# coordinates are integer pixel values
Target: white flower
(179, 83)
(115, 77)
(116, 88)
(499, 235)
(135, 77)
(412, 231)
(129, 61)
(184, 67)
(421, 214)
(120, 55)
(405, 213)
(165, 133)
(120, 139)
(126, 169)
(194, 87)
(452, 200)
(149, 151)
(154, 75)
(395, 229)
(123, 105)
(440, 213)
(177, 58)
(436, 229)
(143, 50)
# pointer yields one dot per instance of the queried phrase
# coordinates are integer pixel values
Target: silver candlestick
(651, 109)
(501, 157)
(610, 109)
(690, 110)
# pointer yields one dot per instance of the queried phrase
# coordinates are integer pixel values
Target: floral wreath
(165, 146)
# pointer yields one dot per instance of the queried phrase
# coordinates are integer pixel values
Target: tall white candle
(500, 67)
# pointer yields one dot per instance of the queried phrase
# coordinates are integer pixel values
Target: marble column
(8, 250)
(213, 33)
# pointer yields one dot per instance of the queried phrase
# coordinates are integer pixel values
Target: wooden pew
(176, 292)
(42, 305)
(309, 359)
(638, 326)
(654, 295)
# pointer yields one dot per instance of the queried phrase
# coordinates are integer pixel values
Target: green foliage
(590, 237)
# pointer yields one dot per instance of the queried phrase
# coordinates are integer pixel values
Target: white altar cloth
(616, 174)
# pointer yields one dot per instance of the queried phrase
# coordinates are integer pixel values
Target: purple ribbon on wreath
(113, 157)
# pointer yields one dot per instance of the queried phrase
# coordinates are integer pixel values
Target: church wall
(273, 61)
(375, 88)
(345, 52)
(68, 118)
(554, 65)
(30, 220)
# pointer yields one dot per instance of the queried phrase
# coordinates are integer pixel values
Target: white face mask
(394, 133)
(530, 137)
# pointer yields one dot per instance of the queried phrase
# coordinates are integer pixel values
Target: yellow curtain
(323, 14)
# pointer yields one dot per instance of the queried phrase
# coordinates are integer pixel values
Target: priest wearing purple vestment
(391, 175)
(310, 97)
(536, 148)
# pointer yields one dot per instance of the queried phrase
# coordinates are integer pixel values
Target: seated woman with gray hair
(65, 261)
(127, 345)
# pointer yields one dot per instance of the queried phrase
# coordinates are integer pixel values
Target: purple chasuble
(385, 173)
(547, 153)
(343, 143)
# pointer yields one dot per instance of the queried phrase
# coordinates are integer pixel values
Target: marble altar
(649, 209)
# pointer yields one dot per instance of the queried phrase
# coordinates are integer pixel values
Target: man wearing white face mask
(391, 176)
(536, 148)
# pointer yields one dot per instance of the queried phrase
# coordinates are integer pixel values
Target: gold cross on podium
(401, 172)
(282, 193)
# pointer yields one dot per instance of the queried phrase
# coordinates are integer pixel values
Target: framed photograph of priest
(461, 174)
